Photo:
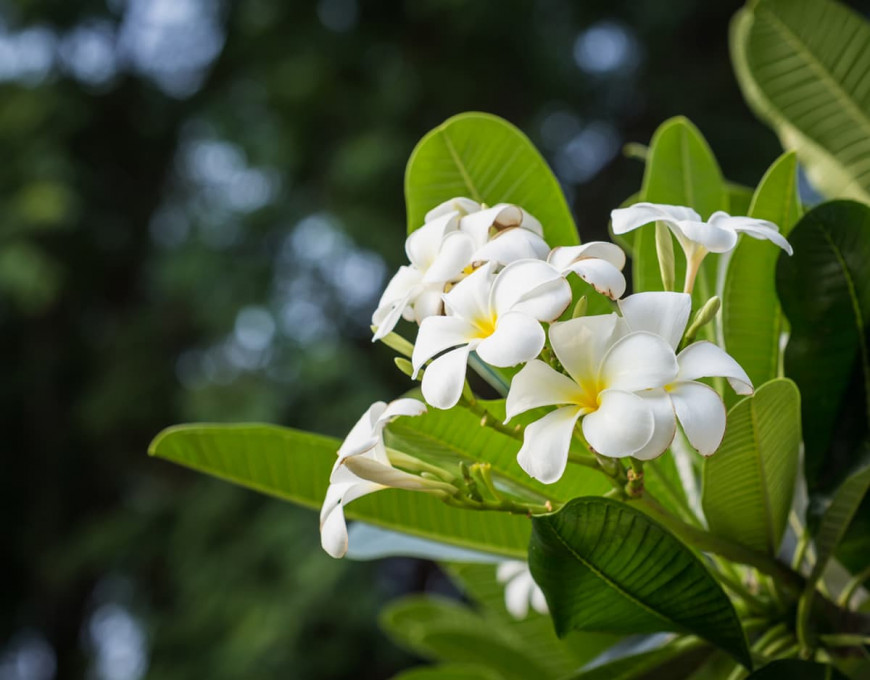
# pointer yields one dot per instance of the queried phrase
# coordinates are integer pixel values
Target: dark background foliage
(201, 201)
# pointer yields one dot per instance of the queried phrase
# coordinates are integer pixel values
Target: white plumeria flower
(598, 263)
(520, 589)
(457, 236)
(363, 467)
(497, 316)
(698, 407)
(696, 237)
(605, 367)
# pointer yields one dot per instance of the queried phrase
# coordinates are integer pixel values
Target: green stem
(800, 550)
(707, 542)
(852, 586)
(486, 418)
(844, 640)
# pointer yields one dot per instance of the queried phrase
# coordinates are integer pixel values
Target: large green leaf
(485, 158)
(446, 630)
(837, 517)
(794, 669)
(749, 482)
(751, 317)
(825, 294)
(295, 466)
(680, 170)
(674, 660)
(559, 656)
(605, 566)
(458, 671)
(804, 68)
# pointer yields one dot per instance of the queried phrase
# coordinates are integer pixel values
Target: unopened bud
(665, 254)
(395, 341)
(580, 308)
(704, 316)
(406, 367)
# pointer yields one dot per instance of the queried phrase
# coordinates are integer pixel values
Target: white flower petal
(639, 214)
(533, 287)
(423, 244)
(760, 229)
(517, 594)
(701, 413)
(539, 601)
(510, 245)
(439, 333)
(664, 424)
(544, 453)
(385, 475)
(509, 569)
(714, 238)
(453, 256)
(562, 257)
(537, 384)
(517, 338)
(427, 302)
(581, 344)
(459, 204)
(402, 407)
(622, 425)
(601, 275)
(501, 216)
(444, 378)
(531, 223)
(333, 531)
(364, 434)
(706, 360)
(386, 317)
(638, 361)
(469, 298)
(660, 313)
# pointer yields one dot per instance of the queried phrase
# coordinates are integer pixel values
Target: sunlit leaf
(485, 158)
(803, 68)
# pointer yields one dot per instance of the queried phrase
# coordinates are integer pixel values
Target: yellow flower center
(486, 326)
(590, 394)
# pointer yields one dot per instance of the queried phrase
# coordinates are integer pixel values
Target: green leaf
(751, 316)
(445, 630)
(485, 158)
(836, 519)
(449, 672)
(539, 641)
(825, 294)
(295, 466)
(739, 198)
(605, 566)
(794, 669)
(444, 437)
(803, 68)
(680, 170)
(749, 482)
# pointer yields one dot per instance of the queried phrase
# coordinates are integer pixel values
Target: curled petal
(439, 333)
(714, 238)
(760, 229)
(517, 338)
(402, 407)
(333, 528)
(660, 313)
(422, 245)
(533, 287)
(581, 344)
(364, 434)
(601, 275)
(622, 425)
(639, 214)
(702, 415)
(706, 360)
(664, 424)
(510, 245)
(544, 453)
(539, 385)
(562, 257)
(444, 378)
(458, 204)
(638, 361)
(454, 254)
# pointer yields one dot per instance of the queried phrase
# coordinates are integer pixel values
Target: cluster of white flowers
(484, 280)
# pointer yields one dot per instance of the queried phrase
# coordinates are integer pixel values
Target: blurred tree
(201, 201)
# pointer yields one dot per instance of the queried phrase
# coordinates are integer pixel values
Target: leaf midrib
(839, 93)
(460, 166)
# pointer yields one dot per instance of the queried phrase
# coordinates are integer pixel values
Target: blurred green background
(201, 202)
